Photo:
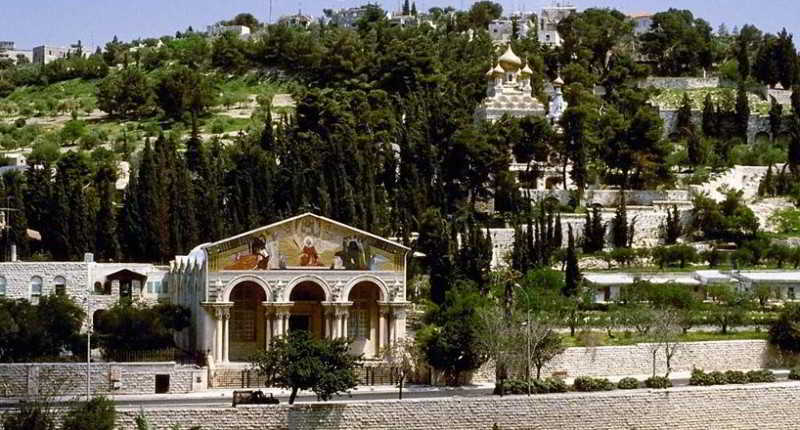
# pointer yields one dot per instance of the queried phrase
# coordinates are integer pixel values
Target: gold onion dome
(498, 70)
(490, 73)
(509, 60)
(526, 71)
(558, 82)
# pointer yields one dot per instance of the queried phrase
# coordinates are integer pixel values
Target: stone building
(509, 92)
(548, 23)
(304, 273)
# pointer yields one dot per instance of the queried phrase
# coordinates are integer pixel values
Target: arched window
(2, 286)
(60, 285)
(36, 289)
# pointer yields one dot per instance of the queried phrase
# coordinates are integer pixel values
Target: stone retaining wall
(65, 379)
(757, 406)
(637, 359)
(679, 83)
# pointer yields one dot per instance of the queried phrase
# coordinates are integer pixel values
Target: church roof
(526, 70)
(509, 60)
(308, 215)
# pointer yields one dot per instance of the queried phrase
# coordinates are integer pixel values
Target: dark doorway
(299, 322)
(162, 384)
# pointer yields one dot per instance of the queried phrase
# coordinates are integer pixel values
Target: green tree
(483, 12)
(729, 307)
(130, 327)
(621, 231)
(742, 111)
(30, 416)
(684, 121)
(679, 43)
(300, 362)
(181, 90)
(98, 413)
(126, 93)
(572, 274)
(784, 332)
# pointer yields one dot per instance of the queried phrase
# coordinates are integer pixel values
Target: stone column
(399, 331)
(226, 333)
(268, 312)
(218, 336)
(328, 318)
(384, 324)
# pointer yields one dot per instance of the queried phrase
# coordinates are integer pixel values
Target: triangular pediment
(306, 241)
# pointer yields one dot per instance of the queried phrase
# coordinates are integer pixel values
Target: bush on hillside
(97, 414)
(586, 383)
(628, 384)
(657, 382)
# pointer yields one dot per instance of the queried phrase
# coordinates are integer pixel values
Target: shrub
(794, 374)
(700, 378)
(586, 383)
(97, 414)
(538, 386)
(718, 378)
(628, 384)
(758, 376)
(735, 377)
(30, 416)
(657, 382)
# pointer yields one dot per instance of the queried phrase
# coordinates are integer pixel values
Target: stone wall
(679, 83)
(610, 198)
(637, 359)
(647, 226)
(756, 126)
(756, 406)
(18, 277)
(65, 379)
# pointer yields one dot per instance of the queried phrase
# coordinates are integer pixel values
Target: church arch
(226, 293)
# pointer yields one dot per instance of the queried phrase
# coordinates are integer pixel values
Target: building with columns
(304, 273)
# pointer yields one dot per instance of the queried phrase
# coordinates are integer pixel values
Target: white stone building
(46, 54)
(548, 23)
(241, 31)
(501, 30)
(304, 273)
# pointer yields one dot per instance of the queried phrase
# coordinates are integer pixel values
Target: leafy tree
(729, 306)
(300, 362)
(434, 242)
(33, 332)
(679, 43)
(98, 413)
(138, 327)
(481, 13)
(126, 93)
(183, 90)
(783, 333)
(403, 355)
(453, 347)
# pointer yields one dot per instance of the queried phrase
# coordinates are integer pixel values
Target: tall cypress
(572, 274)
(106, 245)
(742, 111)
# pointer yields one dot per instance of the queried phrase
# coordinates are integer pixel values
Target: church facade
(304, 273)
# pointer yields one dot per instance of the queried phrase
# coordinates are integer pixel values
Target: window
(60, 285)
(358, 324)
(164, 287)
(150, 287)
(790, 293)
(36, 289)
(2, 286)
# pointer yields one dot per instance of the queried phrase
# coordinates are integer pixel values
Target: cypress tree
(775, 117)
(131, 229)
(152, 204)
(709, 117)
(18, 220)
(558, 236)
(406, 8)
(619, 225)
(572, 274)
(671, 229)
(106, 245)
(268, 134)
(742, 111)
(684, 120)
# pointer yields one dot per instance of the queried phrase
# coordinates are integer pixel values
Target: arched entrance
(364, 322)
(247, 323)
(306, 311)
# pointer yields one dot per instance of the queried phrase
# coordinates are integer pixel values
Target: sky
(60, 22)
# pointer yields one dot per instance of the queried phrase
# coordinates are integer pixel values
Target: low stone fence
(67, 379)
(637, 359)
(679, 83)
(757, 406)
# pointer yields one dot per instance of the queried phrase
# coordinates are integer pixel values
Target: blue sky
(59, 22)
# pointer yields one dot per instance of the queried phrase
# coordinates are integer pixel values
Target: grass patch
(598, 338)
